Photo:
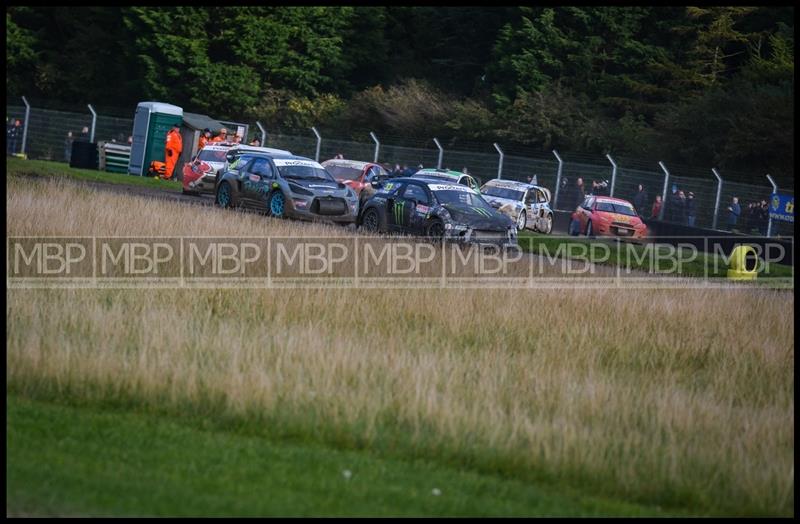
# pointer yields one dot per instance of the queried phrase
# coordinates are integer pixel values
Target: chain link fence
(50, 133)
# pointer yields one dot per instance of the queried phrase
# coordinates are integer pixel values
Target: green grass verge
(704, 265)
(19, 166)
(66, 460)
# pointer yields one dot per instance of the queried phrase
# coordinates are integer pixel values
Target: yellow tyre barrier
(744, 263)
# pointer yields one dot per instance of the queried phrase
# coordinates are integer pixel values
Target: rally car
(285, 185)
(607, 216)
(526, 204)
(453, 177)
(356, 175)
(200, 175)
(436, 209)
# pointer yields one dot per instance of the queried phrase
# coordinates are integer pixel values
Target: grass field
(648, 401)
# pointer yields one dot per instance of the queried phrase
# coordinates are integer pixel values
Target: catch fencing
(49, 134)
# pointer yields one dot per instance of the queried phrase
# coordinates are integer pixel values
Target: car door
(412, 208)
(394, 205)
(585, 212)
(255, 182)
(531, 205)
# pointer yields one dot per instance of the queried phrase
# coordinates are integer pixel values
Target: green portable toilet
(150, 126)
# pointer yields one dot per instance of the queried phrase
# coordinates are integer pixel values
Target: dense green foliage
(712, 85)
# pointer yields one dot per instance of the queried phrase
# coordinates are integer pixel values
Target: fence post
(263, 134)
(613, 174)
(94, 122)
(25, 127)
(377, 145)
(500, 165)
(664, 192)
(719, 194)
(774, 190)
(558, 178)
(319, 143)
(441, 152)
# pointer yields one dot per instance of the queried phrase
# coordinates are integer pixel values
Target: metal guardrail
(113, 157)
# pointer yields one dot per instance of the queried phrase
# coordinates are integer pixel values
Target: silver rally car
(527, 205)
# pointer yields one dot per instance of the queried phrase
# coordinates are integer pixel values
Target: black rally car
(436, 209)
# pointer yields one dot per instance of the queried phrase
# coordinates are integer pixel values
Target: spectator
(733, 213)
(749, 217)
(205, 138)
(578, 193)
(533, 180)
(13, 135)
(464, 170)
(237, 139)
(680, 212)
(656, 208)
(68, 146)
(640, 200)
(130, 140)
(339, 156)
(255, 142)
(690, 209)
(763, 217)
(221, 137)
(574, 223)
(85, 134)
(673, 209)
(408, 171)
(397, 171)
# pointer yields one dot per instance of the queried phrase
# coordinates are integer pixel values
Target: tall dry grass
(676, 397)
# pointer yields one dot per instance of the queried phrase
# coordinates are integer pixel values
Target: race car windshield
(622, 209)
(344, 173)
(212, 156)
(461, 197)
(502, 192)
(305, 172)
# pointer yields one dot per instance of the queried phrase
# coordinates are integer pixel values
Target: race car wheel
(371, 220)
(548, 224)
(277, 204)
(435, 229)
(224, 199)
(589, 229)
(522, 220)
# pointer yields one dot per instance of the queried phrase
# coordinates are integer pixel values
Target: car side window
(372, 174)
(465, 181)
(540, 196)
(415, 192)
(587, 203)
(260, 166)
(530, 197)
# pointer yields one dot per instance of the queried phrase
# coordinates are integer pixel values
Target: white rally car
(526, 204)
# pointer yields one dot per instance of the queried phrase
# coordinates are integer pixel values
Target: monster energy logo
(482, 211)
(398, 212)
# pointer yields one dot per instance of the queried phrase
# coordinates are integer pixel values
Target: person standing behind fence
(690, 209)
(656, 208)
(13, 134)
(221, 137)
(173, 149)
(733, 213)
(205, 138)
(640, 201)
(579, 194)
(68, 146)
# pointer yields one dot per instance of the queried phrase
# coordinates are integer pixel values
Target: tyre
(522, 220)
(548, 225)
(224, 197)
(435, 229)
(277, 205)
(371, 221)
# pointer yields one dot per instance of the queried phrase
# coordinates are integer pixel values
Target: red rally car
(356, 175)
(606, 216)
